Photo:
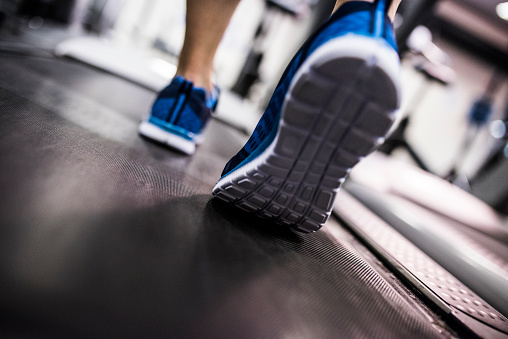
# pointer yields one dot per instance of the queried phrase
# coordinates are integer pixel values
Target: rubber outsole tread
(318, 142)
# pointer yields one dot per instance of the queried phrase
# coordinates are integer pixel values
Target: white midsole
(151, 131)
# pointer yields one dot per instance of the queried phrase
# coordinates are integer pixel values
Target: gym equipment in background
(430, 61)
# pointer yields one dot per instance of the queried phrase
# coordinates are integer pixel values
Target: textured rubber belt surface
(106, 235)
(108, 252)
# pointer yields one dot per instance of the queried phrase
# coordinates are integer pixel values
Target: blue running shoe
(179, 115)
(333, 105)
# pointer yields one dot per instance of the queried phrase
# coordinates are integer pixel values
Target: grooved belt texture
(106, 235)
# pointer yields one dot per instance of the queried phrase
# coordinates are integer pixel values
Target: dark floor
(104, 234)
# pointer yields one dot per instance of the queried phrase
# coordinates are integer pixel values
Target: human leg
(332, 106)
(182, 109)
(206, 23)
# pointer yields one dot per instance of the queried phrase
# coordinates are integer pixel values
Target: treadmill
(445, 243)
(105, 234)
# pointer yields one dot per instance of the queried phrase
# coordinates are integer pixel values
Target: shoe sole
(172, 140)
(340, 105)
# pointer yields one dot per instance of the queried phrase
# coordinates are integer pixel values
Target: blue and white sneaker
(179, 115)
(333, 105)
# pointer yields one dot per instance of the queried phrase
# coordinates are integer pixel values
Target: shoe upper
(183, 109)
(355, 17)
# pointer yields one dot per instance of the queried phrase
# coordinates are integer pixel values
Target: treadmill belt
(104, 234)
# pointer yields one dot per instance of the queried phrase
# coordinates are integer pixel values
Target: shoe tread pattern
(328, 125)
